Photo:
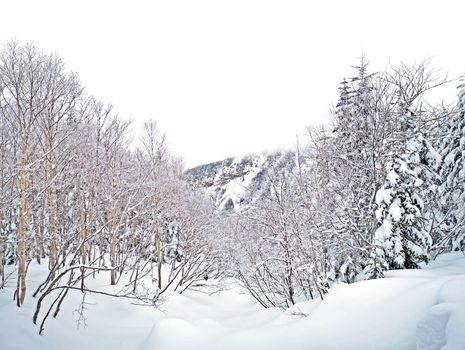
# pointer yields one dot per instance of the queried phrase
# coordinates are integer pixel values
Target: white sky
(225, 78)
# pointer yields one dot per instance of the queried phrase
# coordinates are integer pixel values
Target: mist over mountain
(234, 184)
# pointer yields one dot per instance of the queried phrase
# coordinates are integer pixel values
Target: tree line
(76, 194)
(381, 187)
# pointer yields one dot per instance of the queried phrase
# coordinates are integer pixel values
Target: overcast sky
(225, 78)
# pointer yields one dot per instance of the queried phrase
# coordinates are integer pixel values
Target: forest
(379, 188)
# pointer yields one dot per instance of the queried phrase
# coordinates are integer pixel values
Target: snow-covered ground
(414, 309)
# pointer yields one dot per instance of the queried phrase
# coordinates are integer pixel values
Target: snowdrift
(409, 309)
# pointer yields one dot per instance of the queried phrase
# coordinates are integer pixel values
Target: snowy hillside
(410, 309)
(235, 183)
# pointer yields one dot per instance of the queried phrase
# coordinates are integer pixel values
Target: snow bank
(415, 309)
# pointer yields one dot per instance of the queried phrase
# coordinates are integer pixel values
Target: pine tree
(401, 210)
(354, 170)
(452, 190)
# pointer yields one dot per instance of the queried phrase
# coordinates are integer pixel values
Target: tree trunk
(2, 268)
(22, 226)
(53, 210)
(113, 259)
(113, 228)
(40, 237)
(186, 256)
(82, 227)
(2, 241)
(158, 244)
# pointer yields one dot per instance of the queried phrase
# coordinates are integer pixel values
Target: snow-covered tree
(452, 188)
(401, 233)
(352, 162)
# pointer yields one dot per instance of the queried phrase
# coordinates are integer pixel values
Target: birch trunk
(53, 209)
(22, 226)
(158, 244)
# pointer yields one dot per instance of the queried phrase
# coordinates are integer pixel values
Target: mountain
(235, 183)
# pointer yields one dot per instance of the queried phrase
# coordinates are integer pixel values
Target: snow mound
(443, 325)
(420, 309)
(431, 330)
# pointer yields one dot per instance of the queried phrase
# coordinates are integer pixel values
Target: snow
(392, 177)
(395, 211)
(433, 156)
(449, 159)
(383, 195)
(384, 231)
(431, 329)
(234, 184)
(409, 309)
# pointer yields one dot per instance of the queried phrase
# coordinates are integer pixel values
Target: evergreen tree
(401, 211)
(452, 190)
(354, 174)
